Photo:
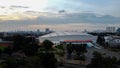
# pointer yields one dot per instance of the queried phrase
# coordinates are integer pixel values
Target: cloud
(56, 18)
(107, 7)
(78, 18)
(17, 16)
(2, 6)
(15, 6)
(110, 7)
(61, 11)
(56, 21)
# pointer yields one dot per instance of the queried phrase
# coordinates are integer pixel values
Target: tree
(18, 42)
(10, 62)
(30, 49)
(69, 51)
(101, 40)
(98, 61)
(48, 59)
(7, 50)
(47, 44)
(26, 44)
(22, 62)
(80, 49)
(118, 62)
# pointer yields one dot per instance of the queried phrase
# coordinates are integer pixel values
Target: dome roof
(64, 34)
(61, 36)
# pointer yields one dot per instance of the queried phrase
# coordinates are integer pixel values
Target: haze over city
(58, 15)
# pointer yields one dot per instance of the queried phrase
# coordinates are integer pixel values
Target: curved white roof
(61, 36)
(64, 34)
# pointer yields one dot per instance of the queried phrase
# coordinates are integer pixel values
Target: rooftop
(72, 41)
(64, 34)
(61, 36)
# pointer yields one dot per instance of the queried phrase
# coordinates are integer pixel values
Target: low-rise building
(4, 44)
(113, 41)
(110, 29)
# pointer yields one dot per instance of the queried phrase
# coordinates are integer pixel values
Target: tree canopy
(98, 61)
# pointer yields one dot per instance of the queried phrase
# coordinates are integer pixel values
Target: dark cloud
(61, 11)
(63, 19)
(32, 12)
(15, 6)
(2, 6)
(70, 18)
(80, 18)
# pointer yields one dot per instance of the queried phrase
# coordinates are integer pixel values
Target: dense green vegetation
(2, 48)
(59, 50)
(100, 61)
(59, 47)
(26, 53)
(101, 40)
(78, 50)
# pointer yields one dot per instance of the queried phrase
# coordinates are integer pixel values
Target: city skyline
(59, 15)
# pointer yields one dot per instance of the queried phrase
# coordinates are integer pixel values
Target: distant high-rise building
(85, 31)
(5, 34)
(118, 30)
(47, 30)
(110, 29)
(38, 31)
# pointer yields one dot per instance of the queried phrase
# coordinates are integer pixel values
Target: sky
(59, 15)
